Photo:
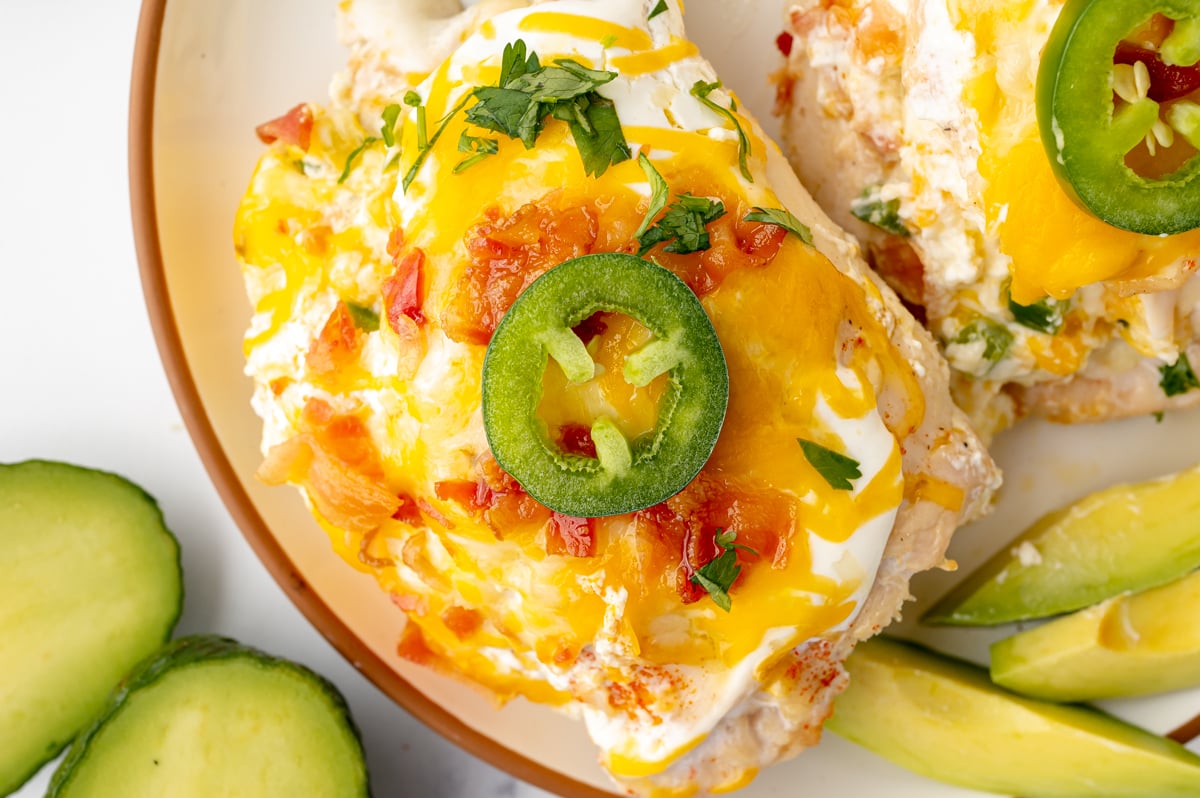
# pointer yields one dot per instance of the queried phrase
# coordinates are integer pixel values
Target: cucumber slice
(210, 718)
(90, 585)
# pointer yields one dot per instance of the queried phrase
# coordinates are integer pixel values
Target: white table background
(81, 380)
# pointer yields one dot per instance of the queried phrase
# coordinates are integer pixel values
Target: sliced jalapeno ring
(1087, 139)
(624, 476)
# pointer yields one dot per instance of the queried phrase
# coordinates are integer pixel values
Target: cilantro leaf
(683, 225)
(1178, 378)
(364, 318)
(388, 131)
(598, 135)
(996, 338)
(658, 194)
(1045, 315)
(479, 147)
(782, 218)
(501, 110)
(353, 156)
(719, 574)
(516, 62)
(837, 469)
(701, 90)
(871, 208)
(660, 8)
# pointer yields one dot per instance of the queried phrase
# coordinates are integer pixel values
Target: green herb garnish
(1178, 378)
(718, 575)
(479, 148)
(658, 194)
(423, 152)
(996, 338)
(837, 469)
(363, 317)
(353, 156)
(660, 8)
(1045, 315)
(782, 218)
(701, 90)
(413, 100)
(1158, 416)
(527, 93)
(388, 131)
(683, 225)
(871, 208)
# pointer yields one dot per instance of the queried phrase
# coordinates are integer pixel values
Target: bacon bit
(316, 412)
(343, 496)
(293, 128)
(338, 345)
(279, 385)
(576, 439)
(473, 496)
(402, 291)
(412, 646)
(365, 556)
(1166, 82)
(895, 260)
(590, 327)
(462, 621)
(511, 511)
(507, 254)
(571, 536)
(784, 42)
(410, 603)
(408, 512)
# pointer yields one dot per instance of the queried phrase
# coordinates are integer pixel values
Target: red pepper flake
(784, 42)
(293, 128)
(571, 536)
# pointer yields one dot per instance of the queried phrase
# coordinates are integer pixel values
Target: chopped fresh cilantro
(658, 194)
(363, 317)
(782, 218)
(718, 575)
(837, 469)
(659, 8)
(413, 99)
(353, 156)
(479, 148)
(683, 225)
(871, 208)
(1045, 315)
(423, 153)
(995, 337)
(1178, 378)
(1158, 416)
(527, 93)
(701, 90)
(388, 132)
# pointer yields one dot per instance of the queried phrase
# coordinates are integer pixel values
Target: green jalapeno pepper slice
(1087, 137)
(624, 476)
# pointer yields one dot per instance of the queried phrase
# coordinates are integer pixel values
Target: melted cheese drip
(555, 627)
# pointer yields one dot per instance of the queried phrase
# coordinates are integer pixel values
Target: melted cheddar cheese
(381, 427)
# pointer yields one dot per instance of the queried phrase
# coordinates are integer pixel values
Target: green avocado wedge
(90, 585)
(207, 716)
(944, 719)
(1126, 646)
(1121, 539)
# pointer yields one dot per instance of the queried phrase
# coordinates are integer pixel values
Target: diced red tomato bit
(571, 536)
(471, 495)
(412, 646)
(408, 512)
(506, 255)
(1166, 82)
(403, 290)
(293, 128)
(337, 346)
(784, 42)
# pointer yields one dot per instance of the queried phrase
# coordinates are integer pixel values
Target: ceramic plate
(208, 71)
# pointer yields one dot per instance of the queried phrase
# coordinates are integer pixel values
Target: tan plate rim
(181, 379)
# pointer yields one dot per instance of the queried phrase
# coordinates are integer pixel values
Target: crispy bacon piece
(294, 128)
(338, 345)
(572, 536)
(509, 253)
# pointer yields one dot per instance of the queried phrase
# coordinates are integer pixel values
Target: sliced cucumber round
(207, 717)
(90, 585)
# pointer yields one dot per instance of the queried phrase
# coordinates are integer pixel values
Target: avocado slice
(944, 719)
(1129, 645)
(1125, 538)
